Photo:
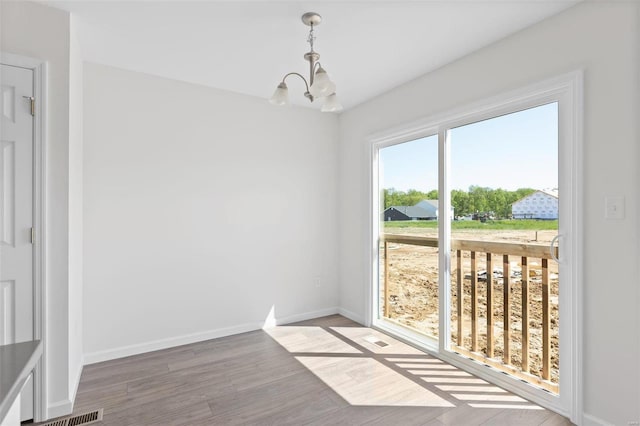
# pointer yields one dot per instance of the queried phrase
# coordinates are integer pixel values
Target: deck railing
(494, 253)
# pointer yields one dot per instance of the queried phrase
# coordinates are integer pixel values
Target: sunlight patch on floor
(469, 380)
(416, 361)
(368, 368)
(310, 340)
(471, 388)
(419, 367)
(487, 397)
(363, 336)
(365, 381)
(456, 373)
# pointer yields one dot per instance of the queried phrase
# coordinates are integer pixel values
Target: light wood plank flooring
(328, 371)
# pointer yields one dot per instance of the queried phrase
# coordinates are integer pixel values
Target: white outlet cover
(614, 208)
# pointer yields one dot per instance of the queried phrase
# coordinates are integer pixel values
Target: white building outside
(539, 205)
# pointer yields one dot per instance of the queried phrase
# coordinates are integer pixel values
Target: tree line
(476, 200)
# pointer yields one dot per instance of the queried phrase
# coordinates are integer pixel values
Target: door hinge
(33, 104)
(33, 235)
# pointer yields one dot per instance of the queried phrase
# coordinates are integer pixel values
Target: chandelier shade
(331, 104)
(322, 84)
(319, 85)
(281, 95)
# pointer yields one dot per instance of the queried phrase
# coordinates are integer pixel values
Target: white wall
(43, 33)
(75, 210)
(203, 209)
(603, 39)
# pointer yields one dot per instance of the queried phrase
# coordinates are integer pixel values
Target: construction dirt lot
(413, 293)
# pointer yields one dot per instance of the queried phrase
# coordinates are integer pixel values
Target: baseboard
(306, 316)
(124, 351)
(351, 315)
(589, 420)
(59, 409)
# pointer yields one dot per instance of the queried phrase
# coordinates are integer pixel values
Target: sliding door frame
(567, 91)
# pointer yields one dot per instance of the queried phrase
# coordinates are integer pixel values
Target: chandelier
(319, 85)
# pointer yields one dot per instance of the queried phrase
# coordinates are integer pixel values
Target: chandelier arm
(299, 75)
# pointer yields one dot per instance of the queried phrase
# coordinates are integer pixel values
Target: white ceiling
(368, 47)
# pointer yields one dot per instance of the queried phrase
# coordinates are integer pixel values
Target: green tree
(460, 202)
(432, 195)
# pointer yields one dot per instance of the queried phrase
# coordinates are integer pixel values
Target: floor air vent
(59, 422)
(376, 341)
(86, 418)
(78, 419)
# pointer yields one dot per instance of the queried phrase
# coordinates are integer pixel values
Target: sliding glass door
(470, 215)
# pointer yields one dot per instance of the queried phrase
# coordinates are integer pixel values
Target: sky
(518, 150)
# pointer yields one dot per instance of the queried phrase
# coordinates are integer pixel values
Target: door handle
(551, 248)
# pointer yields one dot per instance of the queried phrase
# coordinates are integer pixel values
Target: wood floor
(328, 371)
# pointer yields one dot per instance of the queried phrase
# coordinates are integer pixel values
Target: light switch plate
(614, 208)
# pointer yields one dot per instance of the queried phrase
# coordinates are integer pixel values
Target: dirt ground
(413, 294)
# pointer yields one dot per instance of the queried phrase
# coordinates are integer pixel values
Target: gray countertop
(16, 362)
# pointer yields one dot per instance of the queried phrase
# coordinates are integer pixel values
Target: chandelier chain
(311, 37)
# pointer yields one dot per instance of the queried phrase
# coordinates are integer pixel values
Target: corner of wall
(351, 315)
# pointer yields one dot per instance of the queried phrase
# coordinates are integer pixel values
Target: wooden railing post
(474, 303)
(524, 286)
(506, 309)
(460, 290)
(546, 313)
(386, 279)
(489, 306)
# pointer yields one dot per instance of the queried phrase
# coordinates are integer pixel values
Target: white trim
(444, 230)
(577, 204)
(372, 256)
(60, 408)
(76, 383)
(306, 316)
(170, 342)
(155, 345)
(566, 89)
(19, 60)
(40, 74)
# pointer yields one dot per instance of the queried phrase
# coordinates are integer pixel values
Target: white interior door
(16, 214)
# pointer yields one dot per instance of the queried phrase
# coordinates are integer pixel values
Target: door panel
(409, 290)
(16, 213)
(504, 179)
